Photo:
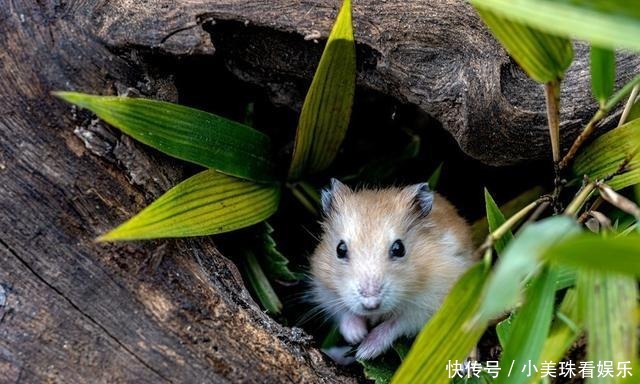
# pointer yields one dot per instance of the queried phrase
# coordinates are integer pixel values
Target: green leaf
(185, 133)
(205, 204)
(604, 156)
(435, 177)
(589, 251)
(503, 329)
(449, 335)
(634, 112)
(260, 284)
(566, 278)
(603, 73)
(564, 331)
(495, 218)
(543, 57)
(483, 378)
(529, 328)
(379, 371)
(326, 111)
(480, 228)
(607, 303)
(605, 23)
(275, 263)
(521, 259)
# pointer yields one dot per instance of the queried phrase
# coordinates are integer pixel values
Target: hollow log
(72, 310)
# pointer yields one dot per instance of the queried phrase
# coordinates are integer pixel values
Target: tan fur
(438, 250)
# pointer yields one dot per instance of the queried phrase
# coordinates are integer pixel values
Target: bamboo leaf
(495, 218)
(529, 328)
(604, 156)
(260, 284)
(503, 329)
(565, 329)
(205, 204)
(522, 258)
(326, 110)
(603, 73)
(185, 133)
(480, 228)
(542, 56)
(589, 251)
(449, 335)
(276, 264)
(607, 303)
(605, 23)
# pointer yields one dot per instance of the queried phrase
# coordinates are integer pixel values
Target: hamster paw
(353, 328)
(377, 341)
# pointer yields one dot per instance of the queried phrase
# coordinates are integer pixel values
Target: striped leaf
(326, 111)
(589, 251)
(205, 204)
(450, 334)
(604, 156)
(607, 303)
(529, 329)
(185, 133)
(565, 329)
(603, 73)
(542, 56)
(606, 23)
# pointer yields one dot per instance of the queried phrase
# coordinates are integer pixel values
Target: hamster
(385, 261)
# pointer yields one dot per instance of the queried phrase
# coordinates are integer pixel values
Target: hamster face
(385, 250)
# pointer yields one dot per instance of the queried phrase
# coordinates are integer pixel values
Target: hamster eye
(397, 249)
(341, 250)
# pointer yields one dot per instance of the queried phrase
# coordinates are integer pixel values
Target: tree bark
(72, 310)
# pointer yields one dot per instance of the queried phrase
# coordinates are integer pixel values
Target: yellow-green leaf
(185, 133)
(326, 110)
(542, 56)
(603, 73)
(589, 251)
(607, 303)
(604, 156)
(205, 204)
(449, 335)
(565, 329)
(606, 23)
(529, 328)
(495, 218)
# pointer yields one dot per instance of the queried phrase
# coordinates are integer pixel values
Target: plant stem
(630, 102)
(582, 137)
(552, 97)
(599, 115)
(507, 225)
(579, 199)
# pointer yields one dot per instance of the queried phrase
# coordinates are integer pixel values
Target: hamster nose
(370, 296)
(371, 302)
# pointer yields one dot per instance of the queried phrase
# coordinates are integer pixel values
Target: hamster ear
(329, 194)
(423, 198)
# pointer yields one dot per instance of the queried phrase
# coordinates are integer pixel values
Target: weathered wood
(72, 310)
(435, 54)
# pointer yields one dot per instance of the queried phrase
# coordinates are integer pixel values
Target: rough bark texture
(434, 54)
(72, 310)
